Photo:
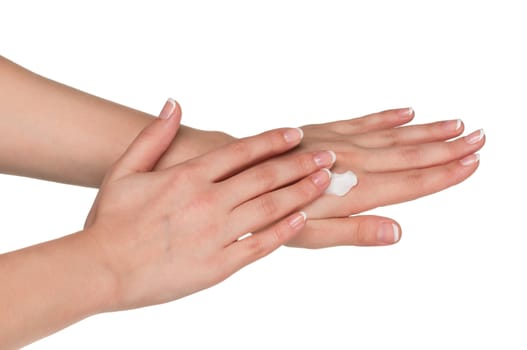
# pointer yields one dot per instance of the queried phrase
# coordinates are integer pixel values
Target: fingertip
(388, 233)
(293, 136)
(168, 109)
(396, 232)
(297, 221)
(470, 160)
(171, 111)
(405, 113)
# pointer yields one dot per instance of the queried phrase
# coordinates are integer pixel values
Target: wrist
(190, 143)
(98, 279)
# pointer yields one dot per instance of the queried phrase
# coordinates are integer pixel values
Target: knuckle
(266, 177)
(279, 233)
(451, 149)
(415, 179)
(450, 175)
(240, 149)
(361, 233)
(305, 163)
(275, 140)
(411, 154)
(256, 247)
(203, 202)
(182, 175)
(268, 206)
(309, 190)
(194, 166)
(391, 137)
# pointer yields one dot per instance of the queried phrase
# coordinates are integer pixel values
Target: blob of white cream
(342, 183)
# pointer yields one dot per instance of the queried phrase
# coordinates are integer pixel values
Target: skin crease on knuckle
(268, 206)
(411, 155)
(240, 149)
(307, 190)
(276, 141)
(391, 137)
(266, 176)
(304, 163)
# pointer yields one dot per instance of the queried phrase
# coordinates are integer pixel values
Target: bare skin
(258, 185)
(169, 250)
(407, 162)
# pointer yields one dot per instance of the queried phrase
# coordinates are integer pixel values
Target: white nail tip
(301, 133)
(410, 111)
(329, 172)
(480, 136)
(172, 103)
(470, 160)
(304, 215)
(333, 157)
(396, 235)
(458, 124)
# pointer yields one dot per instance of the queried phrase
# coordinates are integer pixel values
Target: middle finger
(410, 135)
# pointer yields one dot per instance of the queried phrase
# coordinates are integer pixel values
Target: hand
(393, 165)
(169, 233)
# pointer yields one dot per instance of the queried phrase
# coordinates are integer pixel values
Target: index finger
(241, 154)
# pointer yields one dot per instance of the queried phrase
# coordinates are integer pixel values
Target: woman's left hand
(394, 164)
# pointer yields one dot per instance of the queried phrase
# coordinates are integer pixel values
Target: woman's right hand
(166, 234)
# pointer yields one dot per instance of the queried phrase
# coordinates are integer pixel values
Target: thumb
(145, 151)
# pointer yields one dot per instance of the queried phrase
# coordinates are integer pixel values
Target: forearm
(47, 287)
(54, 132)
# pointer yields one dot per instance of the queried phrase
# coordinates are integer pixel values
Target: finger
(367, 230)
(266, 209)
(421, 156)
(380, 189)
(376, 121)
(245, 152)
(150, 144)
(273, 174)
(392, 188)
(410, 135)
(245, 251)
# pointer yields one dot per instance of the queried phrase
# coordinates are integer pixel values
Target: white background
(457, 278)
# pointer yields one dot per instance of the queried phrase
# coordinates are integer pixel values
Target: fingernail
(298, 220)
(388, 233)
(168, 109)
(475, 137)
(405, 112)
(326, 158)
(321, 178)
(452, 125)
(468, 160)
(293, 135)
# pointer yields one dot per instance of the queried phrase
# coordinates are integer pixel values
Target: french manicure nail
(452, 125)
(168, 109)
(406, 112)
(469, 160)
(475, 137)
(326, 158)
(298, 220)
(321, 178)
(388, 233)
(293, 135)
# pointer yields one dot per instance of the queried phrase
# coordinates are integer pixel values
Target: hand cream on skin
(341, 184)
